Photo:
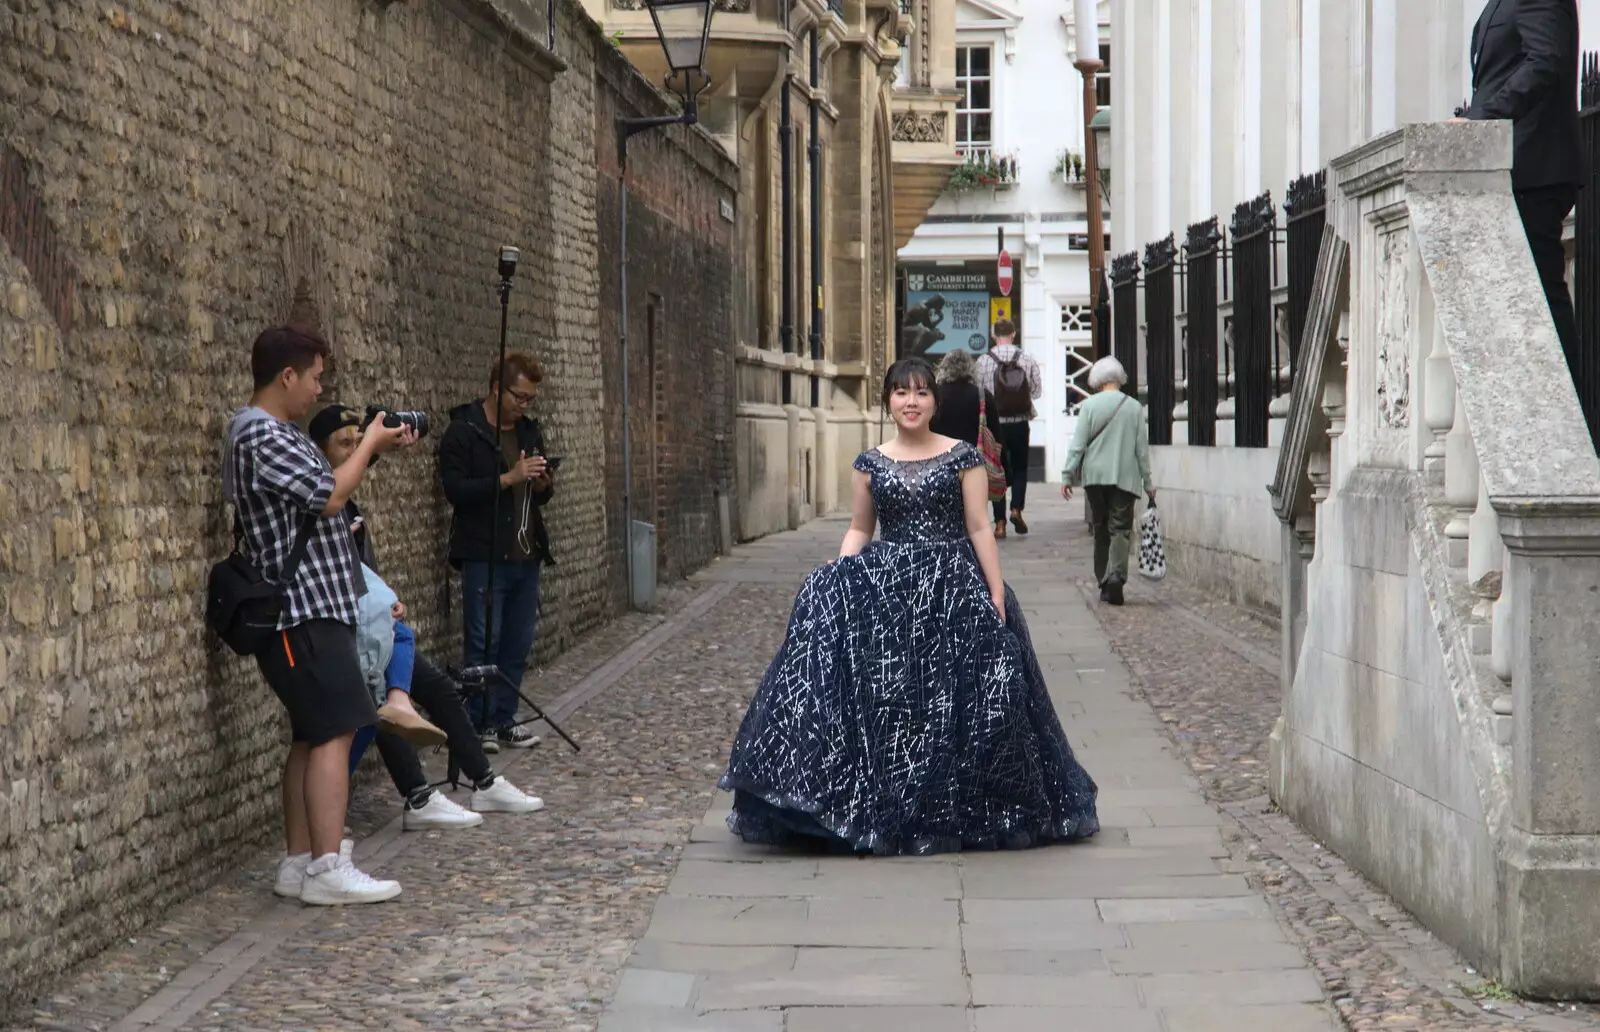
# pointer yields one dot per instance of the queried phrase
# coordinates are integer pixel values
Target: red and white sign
(1003, 267)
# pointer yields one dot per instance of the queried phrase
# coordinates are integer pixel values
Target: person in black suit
(1525, 68)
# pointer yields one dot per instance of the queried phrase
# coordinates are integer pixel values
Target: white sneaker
(440, 812)
(292, 870)
(504, 797)
(334, 881)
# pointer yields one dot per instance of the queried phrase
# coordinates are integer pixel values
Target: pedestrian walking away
(279, 484)
(906, 711)
(1010, 381)
(960, 402)
(1525, 68)
(1110, 459)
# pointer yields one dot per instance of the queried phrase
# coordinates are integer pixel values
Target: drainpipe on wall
(814, 152)
(786, 211)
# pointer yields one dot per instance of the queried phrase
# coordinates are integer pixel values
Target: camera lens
(417, 421)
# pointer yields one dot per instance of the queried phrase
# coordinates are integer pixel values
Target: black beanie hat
(331, 420)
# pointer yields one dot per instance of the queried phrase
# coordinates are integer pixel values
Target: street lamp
(684, 29)
(1088, 63)
(1100, 128)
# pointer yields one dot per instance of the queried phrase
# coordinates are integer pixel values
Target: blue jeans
(404, 660)
(516, 620)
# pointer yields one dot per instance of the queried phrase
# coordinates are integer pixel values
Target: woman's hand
(999, 600)
(1066, 492)
(398, 611)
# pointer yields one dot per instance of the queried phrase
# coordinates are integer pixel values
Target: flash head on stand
(509, 256)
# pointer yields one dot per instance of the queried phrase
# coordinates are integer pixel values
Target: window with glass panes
(975, 109)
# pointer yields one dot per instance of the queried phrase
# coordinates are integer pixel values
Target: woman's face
(342, 444)
(912, 407)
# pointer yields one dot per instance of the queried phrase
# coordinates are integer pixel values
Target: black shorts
(315, 672)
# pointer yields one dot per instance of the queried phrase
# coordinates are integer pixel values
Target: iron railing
(1585, 365)
(1253, 339)
(1160, 320)
(1125, 316)
(1305, 210)
(1201, 251)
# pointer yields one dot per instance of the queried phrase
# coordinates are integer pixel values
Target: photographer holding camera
(288, 504)
(492, 462)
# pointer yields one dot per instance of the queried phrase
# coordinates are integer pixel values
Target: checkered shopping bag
(1152, 545)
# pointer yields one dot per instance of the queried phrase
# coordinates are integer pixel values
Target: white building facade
(1020, 122)
(1218, 100)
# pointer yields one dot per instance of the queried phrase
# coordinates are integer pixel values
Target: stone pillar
(1553, 588)
(1549, 907)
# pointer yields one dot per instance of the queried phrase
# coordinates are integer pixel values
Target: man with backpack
(1010, 382)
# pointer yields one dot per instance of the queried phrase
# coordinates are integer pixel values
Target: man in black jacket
(1525, 68)
(492, 461)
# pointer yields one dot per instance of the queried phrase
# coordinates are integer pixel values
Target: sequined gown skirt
(901, 716)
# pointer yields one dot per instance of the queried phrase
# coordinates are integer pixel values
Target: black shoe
(1112, 592)
(517, 737)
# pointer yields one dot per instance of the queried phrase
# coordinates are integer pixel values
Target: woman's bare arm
(863, 516)
(975, 501)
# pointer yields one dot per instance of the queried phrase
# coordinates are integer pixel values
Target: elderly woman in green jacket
(1110, 460)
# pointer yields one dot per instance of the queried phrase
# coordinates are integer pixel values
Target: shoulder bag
(993, 463)
(242, 606)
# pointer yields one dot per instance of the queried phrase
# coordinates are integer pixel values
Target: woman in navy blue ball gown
(906, 712)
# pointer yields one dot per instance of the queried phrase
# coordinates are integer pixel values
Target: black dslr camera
(417, 421)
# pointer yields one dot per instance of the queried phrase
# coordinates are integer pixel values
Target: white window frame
(963, 85)
(1077, 351)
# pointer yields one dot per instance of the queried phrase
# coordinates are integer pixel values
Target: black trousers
(434, 692)
(1013, 441)
(1543, 212)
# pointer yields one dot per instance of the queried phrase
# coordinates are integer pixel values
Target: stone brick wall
(680, 377)
(205, 170)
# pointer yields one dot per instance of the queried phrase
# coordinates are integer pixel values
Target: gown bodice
(920, 502)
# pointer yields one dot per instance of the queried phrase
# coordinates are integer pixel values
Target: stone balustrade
(1441, 506)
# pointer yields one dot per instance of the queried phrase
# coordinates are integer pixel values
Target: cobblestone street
(627, 906)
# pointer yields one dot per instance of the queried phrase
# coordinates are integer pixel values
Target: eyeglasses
(520, 398)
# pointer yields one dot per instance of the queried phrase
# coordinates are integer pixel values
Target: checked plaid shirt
(278, 477)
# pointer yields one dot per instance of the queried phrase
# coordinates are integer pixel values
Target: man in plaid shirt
(279, 481)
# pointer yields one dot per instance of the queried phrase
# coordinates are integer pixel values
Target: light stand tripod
(478, 679)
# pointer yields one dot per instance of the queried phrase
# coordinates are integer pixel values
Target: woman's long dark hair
(909, 374)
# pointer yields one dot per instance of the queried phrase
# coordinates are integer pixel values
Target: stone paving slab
(1065, 1019)
(1051, 938)
(877, 1019)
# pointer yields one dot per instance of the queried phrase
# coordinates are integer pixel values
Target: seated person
(410, 677)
